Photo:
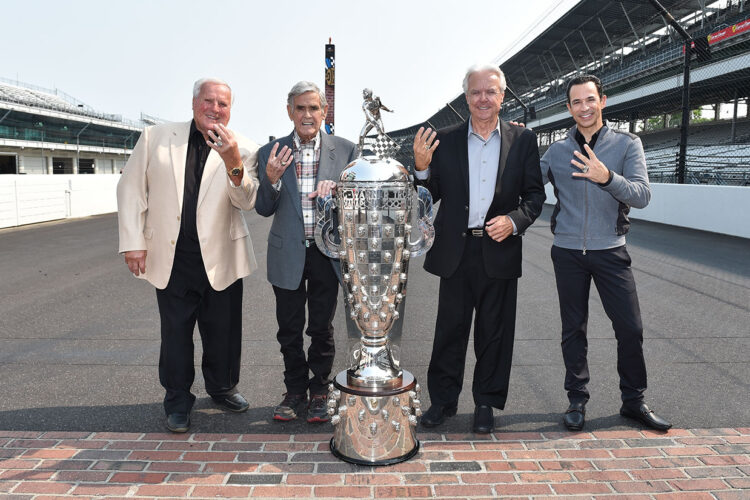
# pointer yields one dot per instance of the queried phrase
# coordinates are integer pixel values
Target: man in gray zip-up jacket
(598, 174)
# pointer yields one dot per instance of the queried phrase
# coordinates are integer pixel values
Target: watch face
(236, 171)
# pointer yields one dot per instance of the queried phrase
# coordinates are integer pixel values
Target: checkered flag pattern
(382, 146)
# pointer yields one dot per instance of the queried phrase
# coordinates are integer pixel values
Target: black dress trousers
(319, 289)
(467, 291)
(613, 277)
(187, 299)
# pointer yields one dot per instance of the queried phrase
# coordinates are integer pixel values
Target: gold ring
(427, 147)
(283, 164)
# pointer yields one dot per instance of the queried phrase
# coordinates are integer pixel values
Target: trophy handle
(324, 231)
(424, 221)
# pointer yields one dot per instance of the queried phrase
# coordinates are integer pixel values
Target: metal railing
(56, 100)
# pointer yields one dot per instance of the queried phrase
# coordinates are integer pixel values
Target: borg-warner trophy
(374, 404)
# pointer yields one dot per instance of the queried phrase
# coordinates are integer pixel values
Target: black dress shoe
(484, 420)
(646, 416)
(233, 402)
(575, 416)
(178, 422)
(436, 415)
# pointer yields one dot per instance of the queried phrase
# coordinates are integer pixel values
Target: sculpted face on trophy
(368, 226)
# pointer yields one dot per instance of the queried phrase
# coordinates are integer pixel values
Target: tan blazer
(149, 201)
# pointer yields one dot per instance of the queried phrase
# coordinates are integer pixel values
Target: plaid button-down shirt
(306, 160)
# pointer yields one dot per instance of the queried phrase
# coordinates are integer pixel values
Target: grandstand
(46, 131)
(640, 60)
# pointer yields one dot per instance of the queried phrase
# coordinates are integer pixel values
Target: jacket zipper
(585, 212)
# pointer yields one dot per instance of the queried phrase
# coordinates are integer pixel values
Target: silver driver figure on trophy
(371, 107)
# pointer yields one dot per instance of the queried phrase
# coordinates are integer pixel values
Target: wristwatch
(236, 171)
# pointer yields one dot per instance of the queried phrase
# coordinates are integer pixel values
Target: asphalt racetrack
(79, 336)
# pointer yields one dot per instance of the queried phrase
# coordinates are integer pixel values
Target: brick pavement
(698, 463)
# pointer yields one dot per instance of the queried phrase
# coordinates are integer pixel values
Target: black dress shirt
(196, 159)
(581, 140)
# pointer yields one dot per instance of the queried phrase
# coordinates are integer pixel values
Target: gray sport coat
(286, 241)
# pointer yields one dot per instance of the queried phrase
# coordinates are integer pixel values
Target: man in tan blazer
(180, 202)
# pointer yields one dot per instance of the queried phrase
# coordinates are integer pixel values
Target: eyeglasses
(490, 93)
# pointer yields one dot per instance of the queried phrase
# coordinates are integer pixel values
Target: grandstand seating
(713, 155)
(49, 132)
(38, 97)
(636, 66)
(20, 95)
(25, 112)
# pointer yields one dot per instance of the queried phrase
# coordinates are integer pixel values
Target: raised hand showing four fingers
(424, 145)
(277, 164)
(591, 167)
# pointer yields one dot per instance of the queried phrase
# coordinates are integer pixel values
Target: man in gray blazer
(293, 171)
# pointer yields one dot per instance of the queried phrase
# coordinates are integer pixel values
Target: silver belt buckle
(477, 232)
(307, 243)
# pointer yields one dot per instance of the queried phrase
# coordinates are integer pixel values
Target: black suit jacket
(519, 194)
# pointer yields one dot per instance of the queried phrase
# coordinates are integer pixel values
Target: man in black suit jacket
(486, 175)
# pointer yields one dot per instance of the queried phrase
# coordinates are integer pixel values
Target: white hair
(302, 88)
(198, 85)
(478, 68)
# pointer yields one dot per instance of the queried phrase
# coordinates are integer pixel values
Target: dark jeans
(494, 300)
(187, 299)
(319, 289)
(613, 277)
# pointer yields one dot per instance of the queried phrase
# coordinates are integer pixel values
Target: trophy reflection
(374, 403)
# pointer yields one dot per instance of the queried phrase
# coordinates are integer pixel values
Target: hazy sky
(143, 55)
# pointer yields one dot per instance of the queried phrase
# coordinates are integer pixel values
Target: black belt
(475, 231)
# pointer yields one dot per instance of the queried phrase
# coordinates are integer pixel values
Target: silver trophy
(374, 404)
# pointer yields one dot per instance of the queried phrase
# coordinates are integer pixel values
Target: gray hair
(302, 88)
(478, 68)
(198, 85)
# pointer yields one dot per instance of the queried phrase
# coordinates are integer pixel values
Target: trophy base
(358, 461)
(374, 426)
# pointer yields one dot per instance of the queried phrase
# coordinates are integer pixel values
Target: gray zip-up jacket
(591, 216)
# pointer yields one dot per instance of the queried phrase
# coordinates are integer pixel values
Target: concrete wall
(26, 199)
(719, 209)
